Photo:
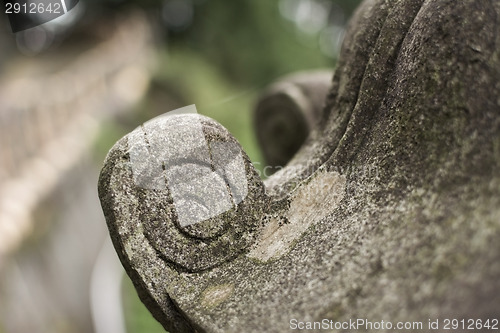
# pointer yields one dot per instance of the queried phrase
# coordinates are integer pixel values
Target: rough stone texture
(403, 177)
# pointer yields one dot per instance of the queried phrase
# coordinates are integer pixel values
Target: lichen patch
(215, 295)
(310, 203)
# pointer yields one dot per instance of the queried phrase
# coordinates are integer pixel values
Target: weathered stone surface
(391, 209)
(171, 166)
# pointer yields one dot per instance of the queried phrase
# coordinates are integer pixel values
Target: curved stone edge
(142, 258)
(359, 42)
(156, 278)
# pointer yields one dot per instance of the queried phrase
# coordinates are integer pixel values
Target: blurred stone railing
(47, 123)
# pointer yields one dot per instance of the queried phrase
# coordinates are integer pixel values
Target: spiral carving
(287, 111)
(196, 191)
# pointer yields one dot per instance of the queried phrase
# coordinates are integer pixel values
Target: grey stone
(389, 211)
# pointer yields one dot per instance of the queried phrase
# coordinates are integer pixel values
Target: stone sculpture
(389, 211)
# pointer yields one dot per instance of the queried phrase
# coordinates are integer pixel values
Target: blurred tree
(252, 42)
(249, 40)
